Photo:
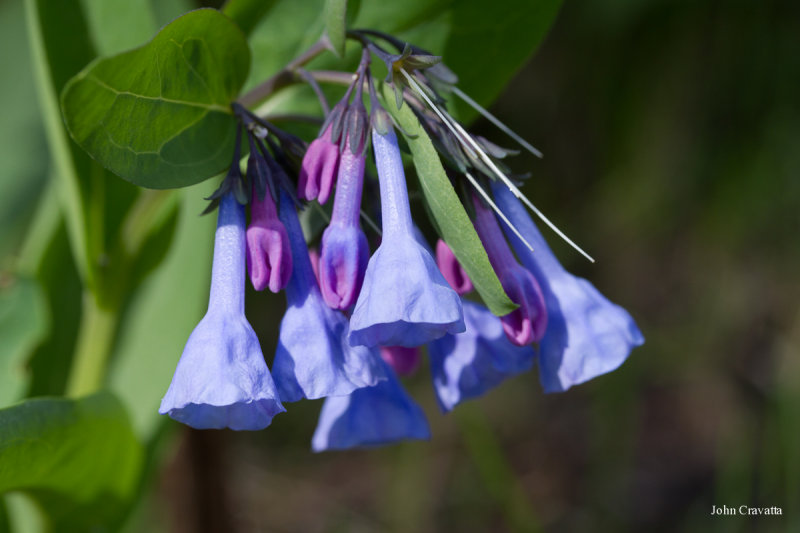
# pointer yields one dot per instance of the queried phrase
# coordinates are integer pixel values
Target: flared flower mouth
(469, 364)
(245, 415)
(586, 334)
(222, 379)
(369, 417)
(405, 300)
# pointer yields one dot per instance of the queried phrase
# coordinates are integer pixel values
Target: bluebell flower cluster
(357, 320)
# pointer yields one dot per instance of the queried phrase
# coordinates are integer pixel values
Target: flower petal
(222, 379)
(372, 416)
(405, 300)
(586, 334)
(467, 365)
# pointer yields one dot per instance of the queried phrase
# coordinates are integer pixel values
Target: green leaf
(21, 163)
(486, 54)
(485, 51)
(163, 313)
(336, 24)
(78, 458)
(247, 13)
(159, 116)
(118, 25)
(23, 323)
(449, 215)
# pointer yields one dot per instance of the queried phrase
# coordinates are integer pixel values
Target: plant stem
(95, 340)
(283, 78)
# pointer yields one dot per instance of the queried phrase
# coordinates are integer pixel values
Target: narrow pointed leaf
(448, 212)
(336, 24)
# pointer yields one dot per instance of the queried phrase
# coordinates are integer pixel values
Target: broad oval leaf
(449, 215)
(78, 457)
(159, 115)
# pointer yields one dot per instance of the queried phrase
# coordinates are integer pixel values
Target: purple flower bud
(587, 335)
(345, 251)
(319, 168)
(222, 379)
(403, 360)
(467, 365)
(269, 259)
(451, 269)
(371, 416)
(314, 359)
(404, 300)
(527, 323)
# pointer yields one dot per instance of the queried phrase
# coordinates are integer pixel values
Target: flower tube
(586, 335)
(314, 359)
(404, 300)
(345, 251)
(527, 323)
(221, 379)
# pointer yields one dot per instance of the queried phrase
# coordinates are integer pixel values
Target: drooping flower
(527, 323)
(269, 259)
(370, 416)
(222, 379)
(314, 359)
(319, 167)
(403, 360)
(467, 365)
(451, 269)
(345, 251)
(404, 299)
(586, 334)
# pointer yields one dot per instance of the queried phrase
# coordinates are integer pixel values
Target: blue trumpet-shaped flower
(314, 359)
(371, 416)
(222, 379)
(586, 334)
(467, 365)
(404, 300)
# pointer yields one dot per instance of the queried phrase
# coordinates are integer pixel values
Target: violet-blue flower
(345, 252)
(405, 300)
(314, 359)
(467, 365)
(527, 323)
(222, 379)
(371, 416)
(586, 335)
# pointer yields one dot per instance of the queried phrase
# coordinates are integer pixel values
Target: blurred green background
(671, 134)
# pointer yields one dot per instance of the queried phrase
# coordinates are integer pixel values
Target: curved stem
(283, 78)
(95, 340)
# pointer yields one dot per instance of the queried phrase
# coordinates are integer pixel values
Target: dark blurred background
(671, 134)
